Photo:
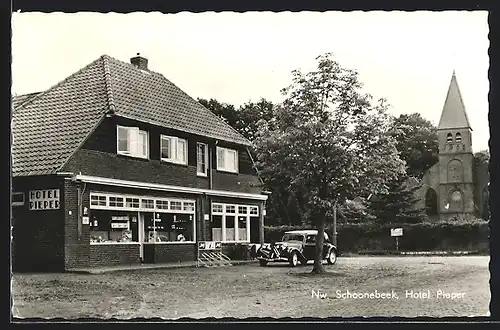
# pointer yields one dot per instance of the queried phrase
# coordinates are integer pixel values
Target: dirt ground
(457, 286)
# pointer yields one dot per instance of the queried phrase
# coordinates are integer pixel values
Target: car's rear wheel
(332, 257)
(293, 259)
(263, 263)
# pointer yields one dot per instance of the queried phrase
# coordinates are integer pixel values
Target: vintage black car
(296, 246)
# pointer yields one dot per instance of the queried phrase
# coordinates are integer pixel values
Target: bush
(236, 251)
(457, 233)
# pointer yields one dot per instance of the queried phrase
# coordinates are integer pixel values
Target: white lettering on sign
(44, 199)
(119, 218)
(209, 245)
(117, 225)
(397, 232)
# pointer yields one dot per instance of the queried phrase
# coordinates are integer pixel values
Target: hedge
(236, 251)
(427, 236)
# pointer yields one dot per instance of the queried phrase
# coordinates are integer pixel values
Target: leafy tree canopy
(417, 143)
(328, 141)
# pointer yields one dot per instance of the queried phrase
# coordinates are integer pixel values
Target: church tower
(456, 160)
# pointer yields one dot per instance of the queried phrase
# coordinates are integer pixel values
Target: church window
(449, 138)
(455, 171)
(431, 202)
(458, 138)
(456, 196)
(456, 201)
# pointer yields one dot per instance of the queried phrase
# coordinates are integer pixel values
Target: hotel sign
(48, 199)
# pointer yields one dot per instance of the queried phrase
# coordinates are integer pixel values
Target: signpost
(397, 232)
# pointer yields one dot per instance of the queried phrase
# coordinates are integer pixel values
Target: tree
(481, 161)
(245, 118)
(354, 211)
(482, 157)
(250, 114)
(329, 140)
(417, 143)
(399, 204)
(225, 111)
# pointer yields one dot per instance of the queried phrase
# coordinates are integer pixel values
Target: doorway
(143, 216)
(254, 230)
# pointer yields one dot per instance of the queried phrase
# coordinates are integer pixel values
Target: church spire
(454, 114)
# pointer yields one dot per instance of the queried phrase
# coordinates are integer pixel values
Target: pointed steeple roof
(454, 114)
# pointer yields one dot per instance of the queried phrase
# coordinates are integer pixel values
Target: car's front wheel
(263, 263)
(293, 259)
(332, 257)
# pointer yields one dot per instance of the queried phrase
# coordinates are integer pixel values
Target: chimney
(139, 62)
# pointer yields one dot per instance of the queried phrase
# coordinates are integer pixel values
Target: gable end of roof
(108, 83)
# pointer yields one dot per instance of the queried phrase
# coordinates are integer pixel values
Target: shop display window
(168, 227)
(217, 227)
(230, 236)
(113, 227)
(242, 228)
(231, 223)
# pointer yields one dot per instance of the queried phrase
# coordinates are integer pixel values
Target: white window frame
(133, 134)
(18, 203)
(99, 199)
(225, 167)
(174, 144)
(236, 216)
(205, 148)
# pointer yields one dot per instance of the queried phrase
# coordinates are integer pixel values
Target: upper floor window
(131, 141)
(173, 149)
(227, 160)
(458, 138)
(449, 138)
(202, 158)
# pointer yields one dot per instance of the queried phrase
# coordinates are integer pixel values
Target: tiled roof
(454, 114)
(149, 96)
(49, 126)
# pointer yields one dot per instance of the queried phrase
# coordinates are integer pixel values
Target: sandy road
(424, 286)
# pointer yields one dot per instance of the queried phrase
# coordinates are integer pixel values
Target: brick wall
(467, 161)
(77, 236)
(114, 254)
(171, 252)
(98, 157)
(38, 236)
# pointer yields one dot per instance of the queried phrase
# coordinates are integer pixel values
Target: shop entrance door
(141, 235)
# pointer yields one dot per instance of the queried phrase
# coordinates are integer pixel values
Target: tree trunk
(318, 267)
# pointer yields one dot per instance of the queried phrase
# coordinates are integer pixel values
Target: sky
(406, 57)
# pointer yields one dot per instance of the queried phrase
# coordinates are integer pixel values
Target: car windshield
(293, 237)
(311, 239)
